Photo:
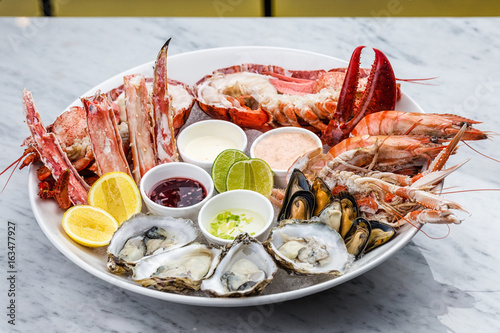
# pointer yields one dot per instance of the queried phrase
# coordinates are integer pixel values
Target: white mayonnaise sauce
(206, 148)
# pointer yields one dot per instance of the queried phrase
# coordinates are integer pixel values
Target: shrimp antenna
(418, 81)
(13, 170)
(477, 151)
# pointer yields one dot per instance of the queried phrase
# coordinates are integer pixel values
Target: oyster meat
(179, 270)
(145, 235)
(308, 247)
(245, 268)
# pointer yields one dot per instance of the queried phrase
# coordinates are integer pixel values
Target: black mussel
(331, 215)
(357, 237)
(349, 211)
(322, 195)
(301, 206)
(381, 234)
(297, 182)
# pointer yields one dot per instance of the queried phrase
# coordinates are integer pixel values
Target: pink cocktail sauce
(282, 149)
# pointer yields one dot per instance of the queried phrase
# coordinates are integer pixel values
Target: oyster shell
(144, 235)
(245, 268)
(178, 270)
(308, 247)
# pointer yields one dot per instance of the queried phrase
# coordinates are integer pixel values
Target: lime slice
(253, 174)
(221, 166)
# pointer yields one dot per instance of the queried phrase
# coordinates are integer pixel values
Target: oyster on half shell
(245, 268)
(179, 270)
(144, 235)
(308, 247)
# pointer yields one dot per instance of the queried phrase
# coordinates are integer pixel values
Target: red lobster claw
(380, 94)
(59, 191)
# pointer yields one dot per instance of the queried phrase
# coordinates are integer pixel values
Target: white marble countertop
(445, 285)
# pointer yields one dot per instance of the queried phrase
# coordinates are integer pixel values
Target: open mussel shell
(356, 239)
(300, 206)
(143, 235)
(350, 212)
(297, 182)
(308, 248)
(331, 215)
(245, 268)
(322, 195)
(381, 234)
(180, 270)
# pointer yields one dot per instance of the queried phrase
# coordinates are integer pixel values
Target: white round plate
(189, 68)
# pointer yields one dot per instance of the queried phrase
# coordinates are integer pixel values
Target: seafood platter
(345, 207)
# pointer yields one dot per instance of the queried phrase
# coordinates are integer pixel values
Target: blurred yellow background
(250, 8)
(396, 8)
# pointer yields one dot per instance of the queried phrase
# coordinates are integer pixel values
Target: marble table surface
(431, 285)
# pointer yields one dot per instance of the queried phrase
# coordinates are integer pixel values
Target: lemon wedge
(116, 193)
(89, 226)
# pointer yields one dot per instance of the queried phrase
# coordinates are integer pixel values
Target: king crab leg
(104, 135)
(139, 125)
(162, 110)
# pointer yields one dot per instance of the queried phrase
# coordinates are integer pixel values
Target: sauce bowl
(209, 138)
(280, 174)
(175, 170)
(232, 200)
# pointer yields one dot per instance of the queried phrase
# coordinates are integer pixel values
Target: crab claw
(380, 94)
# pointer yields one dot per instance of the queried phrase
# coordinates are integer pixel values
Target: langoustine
(391, 198)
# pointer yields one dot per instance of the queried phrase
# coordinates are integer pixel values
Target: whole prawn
(393, 198)
(415, 123)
